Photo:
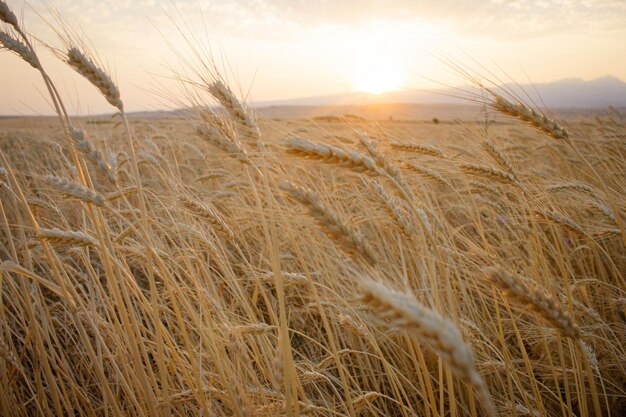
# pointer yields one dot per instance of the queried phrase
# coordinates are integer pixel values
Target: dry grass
(180, 278)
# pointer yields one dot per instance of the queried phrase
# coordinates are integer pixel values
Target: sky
(282, 49)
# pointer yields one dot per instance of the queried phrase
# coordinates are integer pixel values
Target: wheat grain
(364, 400)
(252, 329)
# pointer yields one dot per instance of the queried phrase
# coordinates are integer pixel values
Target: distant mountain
(567, 93)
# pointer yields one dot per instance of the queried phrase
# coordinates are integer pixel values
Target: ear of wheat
(426, 173)
(440, 334)
(386, 166)
(67, 237)
(215, 137)
(6, 15)
(18, 48)
(392, 208)
(233, 106)
(573, 186)
(210, 215)
(530, 116)
(500, 159)
(327, 153)
(418, 148)
(74, 189)
(92, 154)
(546, 305)
(561, 221)
(96, 76)
(489, 172)
(352, 241)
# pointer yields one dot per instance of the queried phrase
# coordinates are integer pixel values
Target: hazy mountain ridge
(567, 93)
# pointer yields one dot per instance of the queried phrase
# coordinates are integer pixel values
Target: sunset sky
(278, 49)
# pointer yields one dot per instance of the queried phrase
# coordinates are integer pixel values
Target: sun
(377, 76)
(378, 62)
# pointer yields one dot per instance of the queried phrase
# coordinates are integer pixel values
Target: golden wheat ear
(86, 67)
(348, 238)
(19, 49)
(518, 289)
(440, 334)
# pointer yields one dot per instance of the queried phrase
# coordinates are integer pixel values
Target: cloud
(497, 18)
(494, 17)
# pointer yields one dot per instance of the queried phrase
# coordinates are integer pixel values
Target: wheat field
(216, 263)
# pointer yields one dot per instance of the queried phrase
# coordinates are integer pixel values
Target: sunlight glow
(378, 63)
(377, 75)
